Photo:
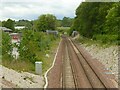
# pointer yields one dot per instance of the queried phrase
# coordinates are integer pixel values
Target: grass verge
(26, 65)
(99, 43)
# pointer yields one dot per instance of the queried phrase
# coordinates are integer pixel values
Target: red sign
(15, 37)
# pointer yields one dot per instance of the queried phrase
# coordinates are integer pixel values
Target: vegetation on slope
(35, 45)
(98, 21)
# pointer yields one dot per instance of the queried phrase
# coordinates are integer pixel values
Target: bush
(33, 44)
(6, 44)
(63, 29)
(106, 38)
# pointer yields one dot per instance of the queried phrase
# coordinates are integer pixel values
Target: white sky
(31, 9)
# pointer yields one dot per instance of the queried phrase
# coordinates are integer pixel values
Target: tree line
(44, 22)
(98, 20)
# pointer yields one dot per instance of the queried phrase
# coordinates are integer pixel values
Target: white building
(20, 27)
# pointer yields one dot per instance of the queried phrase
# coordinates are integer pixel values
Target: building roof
(51, 31)
(5, 29)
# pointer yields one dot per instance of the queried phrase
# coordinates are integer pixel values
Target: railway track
(68, 80)
(78, 70)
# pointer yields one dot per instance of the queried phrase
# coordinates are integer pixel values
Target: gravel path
(22, 80)
(107, 56)
(55, 73)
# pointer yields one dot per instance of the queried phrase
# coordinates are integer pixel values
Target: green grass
(47, 61)
(19, 65)
(34, 47)
(98, 42)
(106, 39)
(26, 65)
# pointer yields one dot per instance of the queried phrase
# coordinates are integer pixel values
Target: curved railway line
(78, 70)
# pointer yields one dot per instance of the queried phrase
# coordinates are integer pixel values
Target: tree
(91, 18)
(6, 43)
(101, 17)
(67, 22)
(9, 24)
(33, 44)
(59, 23)
(112, 23)
(45, 22)
(86, 17)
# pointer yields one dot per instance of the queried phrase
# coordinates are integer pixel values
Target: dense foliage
(97, 19)
(45, 22)
(9, 24)
(6, 45)
(65, 22)
(34, 44)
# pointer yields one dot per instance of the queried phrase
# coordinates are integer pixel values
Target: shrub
(33, 43)
(6, 44)
(106, 38)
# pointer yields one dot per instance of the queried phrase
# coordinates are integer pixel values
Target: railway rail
(80, 71)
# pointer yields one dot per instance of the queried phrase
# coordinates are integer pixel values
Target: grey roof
(51, 31)
(5, 29)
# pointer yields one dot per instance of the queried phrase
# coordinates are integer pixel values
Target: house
(6, 29)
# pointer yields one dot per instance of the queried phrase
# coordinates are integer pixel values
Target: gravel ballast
(107, 56)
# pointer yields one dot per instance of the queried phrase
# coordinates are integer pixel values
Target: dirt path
(55, 73)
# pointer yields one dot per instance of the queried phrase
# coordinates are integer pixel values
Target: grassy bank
(102, 41)
(34, 46)
(47, 61)
(26, 65)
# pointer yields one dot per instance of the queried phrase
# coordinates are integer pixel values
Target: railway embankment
(13, 79)
(108, 56)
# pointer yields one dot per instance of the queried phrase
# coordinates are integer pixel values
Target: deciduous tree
(9, 24)
(45, 22)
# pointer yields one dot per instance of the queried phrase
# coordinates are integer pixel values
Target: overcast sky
(31, 9)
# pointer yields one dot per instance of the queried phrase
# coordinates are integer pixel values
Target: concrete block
(38, 67)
